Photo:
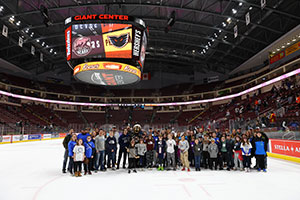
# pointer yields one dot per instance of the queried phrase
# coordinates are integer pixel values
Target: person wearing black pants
(124, 140)
(78, 166)
(132, 157)
(111, 146)
(260, 146)
(66, 155)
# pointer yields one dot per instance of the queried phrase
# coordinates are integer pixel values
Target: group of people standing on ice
(164, 149)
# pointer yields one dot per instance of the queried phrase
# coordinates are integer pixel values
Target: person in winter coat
(223, 152)
(124, 141)
(89, 154)
(66, 155)
(132, 156)
(197, 149)
(111, 147)
(213, 151)
(260, 146)
(160, 148)
(230, 145)
(191, 151)
(150, 154)
(205, 154)
(78, 157)
(238, 159)
(171, 152)
(141, 150)
(246, 151)
(71, 146)
(184, 153)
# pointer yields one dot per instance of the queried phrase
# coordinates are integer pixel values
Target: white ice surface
(32, 171)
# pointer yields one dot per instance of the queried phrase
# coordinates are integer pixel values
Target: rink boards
(6, 139)
(285, 149)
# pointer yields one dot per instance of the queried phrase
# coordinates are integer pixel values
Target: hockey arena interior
(149, 99)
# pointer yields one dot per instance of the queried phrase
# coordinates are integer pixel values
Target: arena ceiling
(202, 38)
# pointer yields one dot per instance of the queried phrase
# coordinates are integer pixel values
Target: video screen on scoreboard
(106, 40)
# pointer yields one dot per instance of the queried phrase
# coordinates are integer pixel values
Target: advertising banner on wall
(46, 136)
(285, 147)
(34, 137)
(5, 138)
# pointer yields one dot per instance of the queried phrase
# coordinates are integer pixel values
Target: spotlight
(51, 50)
(283, 46)
(294, 40)
(1, 8)
(288, 43)
(224, 24)
(278, 49)
(234, 11)
(194, 51)
(47, 46)
(18, 23)
(213, 40)
(228, 20)
(250, 8)
(27, 30)
(55, 53)
(11, 19)
(209, 44)
(32, 34)
(240, 4)
(43, 43)
(37, 40)
(273, 52)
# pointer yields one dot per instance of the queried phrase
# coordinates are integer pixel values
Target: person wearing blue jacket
(111, 147)
(260, 147)
(160, 147)
(89, 154)
(83, 135)
(124, 141)
(71, 146)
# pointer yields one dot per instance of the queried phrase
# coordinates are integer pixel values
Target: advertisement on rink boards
(46, 136)
(35, 137)
(5, 139)
(285, 147)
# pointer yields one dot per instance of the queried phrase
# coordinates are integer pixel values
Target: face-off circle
(107, 73)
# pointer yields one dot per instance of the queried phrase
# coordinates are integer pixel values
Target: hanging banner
(5, 31)
(247, 16)
(263, 3)
(235, 30)
(32, 50)
(21, 41)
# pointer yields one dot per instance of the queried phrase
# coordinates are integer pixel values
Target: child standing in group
(205, 153)
(237, 153)
(171, 152)
(197, 153)
(89, 154)
(78, 157)
(223, 152)
(160, 152)
(246, 151)
(71, 146)
(184, 154)
(132, 156)
(141, 150)
(111, 144)
(213, 151)
(150, 154)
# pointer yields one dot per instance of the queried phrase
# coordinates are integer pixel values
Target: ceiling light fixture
(234, 11)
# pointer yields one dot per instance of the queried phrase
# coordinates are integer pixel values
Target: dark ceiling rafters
(195, 15)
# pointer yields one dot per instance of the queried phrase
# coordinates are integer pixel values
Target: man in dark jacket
(111, 147)
(124, 141)
(230, 145)
(66, 155)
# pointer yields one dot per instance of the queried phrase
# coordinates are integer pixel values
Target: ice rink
(32, 171)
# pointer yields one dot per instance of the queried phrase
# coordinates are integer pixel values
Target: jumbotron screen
(92, 40)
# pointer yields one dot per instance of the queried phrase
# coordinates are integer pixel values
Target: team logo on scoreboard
(82, 46)
(119, 41)
(96, 78)
(114, 66)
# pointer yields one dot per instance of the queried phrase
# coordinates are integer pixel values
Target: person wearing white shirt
(171, 153)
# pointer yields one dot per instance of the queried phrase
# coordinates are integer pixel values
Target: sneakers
(264, 170)
(183, 169)
(160, 168)
(76, 174)
(114, 169)
(64, 171)
(85, 173)
(134, 171)
(90, 173)
(188, 170)
(259, 169)
(129, 171)
(248, 169)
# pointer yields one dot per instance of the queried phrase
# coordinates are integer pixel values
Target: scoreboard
(106, 49)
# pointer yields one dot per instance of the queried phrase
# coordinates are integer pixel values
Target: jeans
(141, 161)
(171, 159)
(237, 161)
(66, 155)
(122, 153)
(71, 164)
(205, 159)
(111, 158)
(246, 160)
(100, 160)
(197, 161)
